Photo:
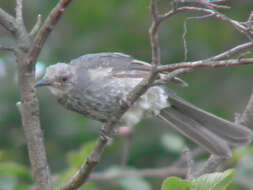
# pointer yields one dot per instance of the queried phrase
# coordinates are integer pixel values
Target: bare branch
(231, 52)
(158, 172)
(204, 3)
(219, 1)
(241, 28)
(19, 13)
(176, 168)
(36, 27)
(153, 33)
(190, 164)
(185, 32)
(8, 21)
(247, 116)
(205, 63)
(166, 78)
(210, 166)
(34, 137)
(46, 29)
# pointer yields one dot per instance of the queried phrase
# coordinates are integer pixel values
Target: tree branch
(34, 136)
(246, 118)
(46, 29)
(210, 166)
(241, 28)
(8, 22)
(232, 52)
(205, 63)
(27, 51)
(36, 27)
(158, 172)
(204, 3)
(153, 33)
(176, 168)
(19, 15)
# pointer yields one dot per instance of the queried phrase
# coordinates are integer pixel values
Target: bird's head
(59, 78)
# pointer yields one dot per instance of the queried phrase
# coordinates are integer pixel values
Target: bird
(96, 85)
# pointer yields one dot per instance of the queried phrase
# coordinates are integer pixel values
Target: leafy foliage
(213, 181)
(176, 183)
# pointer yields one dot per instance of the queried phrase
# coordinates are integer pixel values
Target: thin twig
(8, 22)
(210, 166)
(196, 152)
(246, 118)
(219, 1)
(166, 78)
(204, 3)
(232, 52)
(241, 28)
(205, 63)
(158, 172)
(185, 32)
(190, 164)
(46, 29)
(19, 13)
(36, 27)
(153, 33)
(176, 168)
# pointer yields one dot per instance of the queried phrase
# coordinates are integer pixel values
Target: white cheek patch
(99, 73)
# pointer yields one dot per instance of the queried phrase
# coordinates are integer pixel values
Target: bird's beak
(42, 82)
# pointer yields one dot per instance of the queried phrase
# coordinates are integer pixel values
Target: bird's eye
(64, 79)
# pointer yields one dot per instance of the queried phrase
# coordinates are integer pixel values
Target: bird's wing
(117, 65)
(117, 62)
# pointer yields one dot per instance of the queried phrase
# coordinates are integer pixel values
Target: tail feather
(233, 133)
(209, 131)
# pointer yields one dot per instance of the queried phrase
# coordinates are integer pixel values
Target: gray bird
(95, 86)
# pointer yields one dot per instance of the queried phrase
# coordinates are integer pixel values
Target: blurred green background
(92, 26)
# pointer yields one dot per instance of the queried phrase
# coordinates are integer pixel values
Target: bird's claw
(103, 136)
(107, 137)
(124, 102)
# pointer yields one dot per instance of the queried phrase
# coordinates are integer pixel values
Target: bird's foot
(103, 135)
(125, 103)
(108, 138)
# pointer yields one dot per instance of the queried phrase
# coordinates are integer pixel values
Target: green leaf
(175, 183)
(214, 181)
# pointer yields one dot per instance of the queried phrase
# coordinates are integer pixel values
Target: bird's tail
(209, 131)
